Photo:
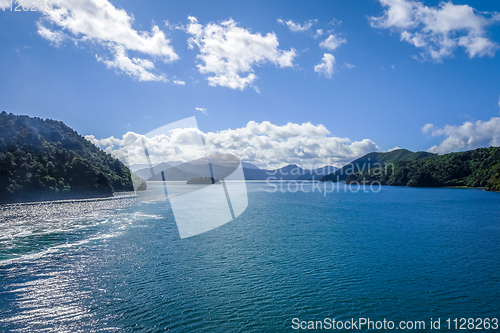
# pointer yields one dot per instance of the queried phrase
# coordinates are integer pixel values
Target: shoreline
(131, 194)
(115, 196)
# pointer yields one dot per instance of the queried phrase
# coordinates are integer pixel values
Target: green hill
(473, 168)
(47, 160)
(373, 160)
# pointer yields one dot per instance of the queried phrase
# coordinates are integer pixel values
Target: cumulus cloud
(325, 67)
(92, 139)
(332, 42)
(439, 30)
(99, 22)
(297, 27)
(469, 135)
(229, 53)
(265, 144)
(179, 82)
(427, 128)
(318, 33)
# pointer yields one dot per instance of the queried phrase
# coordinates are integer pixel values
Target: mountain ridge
(187, 171)
(373, 159)
(472, 168)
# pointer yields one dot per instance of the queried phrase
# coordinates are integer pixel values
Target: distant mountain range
(189, 170)
(47, 160)
(475, 168)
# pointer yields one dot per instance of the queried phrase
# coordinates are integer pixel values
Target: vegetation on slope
(473, 168)
(47, 160)
(374, 160)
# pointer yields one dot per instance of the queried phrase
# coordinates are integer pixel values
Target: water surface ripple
(118, 265)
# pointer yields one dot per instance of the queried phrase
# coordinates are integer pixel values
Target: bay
(119, 265)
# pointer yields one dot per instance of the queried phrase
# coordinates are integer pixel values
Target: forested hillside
(473, 168)
(373, 160)
(46, 160)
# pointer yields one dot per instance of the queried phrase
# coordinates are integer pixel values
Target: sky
(273, 82)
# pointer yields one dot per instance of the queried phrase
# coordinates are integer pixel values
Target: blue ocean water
(119, 265)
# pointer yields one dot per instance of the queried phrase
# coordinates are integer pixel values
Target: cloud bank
(470, 135)
(439, 30)
(265, 144)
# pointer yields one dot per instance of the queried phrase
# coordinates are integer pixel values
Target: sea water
(119, 265)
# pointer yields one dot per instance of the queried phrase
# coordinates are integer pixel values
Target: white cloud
(264, 144)
(99, 22)
(427, 128)
(297, 27)
(202, 110)
(229, 53)
(54, 37)
(318, 33)
(332, 42)
(325, 67)
(397, 14)
(394, 148)
(348, 65)
(136, 67)
(179, 82)
(469, 135)
(499, 101)
(439, 30)
(92, 139)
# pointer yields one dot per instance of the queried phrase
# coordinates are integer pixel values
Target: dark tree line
(473, 168)
(46, 160)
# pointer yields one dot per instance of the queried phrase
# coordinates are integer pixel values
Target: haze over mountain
(189, 170)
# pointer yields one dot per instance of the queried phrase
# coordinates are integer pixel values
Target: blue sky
(379, 70)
